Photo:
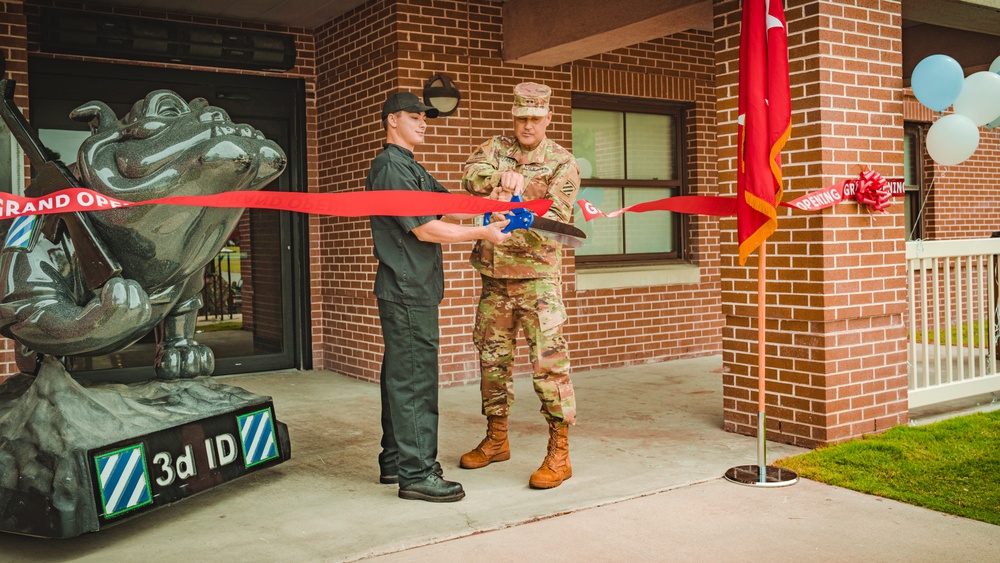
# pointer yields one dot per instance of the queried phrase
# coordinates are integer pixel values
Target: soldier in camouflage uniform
(521, 284)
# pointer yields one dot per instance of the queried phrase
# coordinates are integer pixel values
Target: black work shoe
(392, 479)
(433, 489)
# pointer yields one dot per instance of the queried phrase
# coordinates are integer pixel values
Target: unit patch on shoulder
(569, 189)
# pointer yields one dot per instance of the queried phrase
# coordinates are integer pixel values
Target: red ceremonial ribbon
(870, 189)
(691, 204)
(397, 203)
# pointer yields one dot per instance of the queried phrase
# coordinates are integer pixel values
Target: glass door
(251, 316)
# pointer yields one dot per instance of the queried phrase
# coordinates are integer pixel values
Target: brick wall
(463, 41)
(836, 294)
(622, 327)
(963, 200)
(401, 45)
(13, 41)
(355, 70)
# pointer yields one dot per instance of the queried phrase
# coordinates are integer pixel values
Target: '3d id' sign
(145, 472)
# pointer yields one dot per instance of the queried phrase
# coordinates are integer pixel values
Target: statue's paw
(185, 358)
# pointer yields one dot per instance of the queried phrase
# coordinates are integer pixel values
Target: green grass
(956, 340)
(952, 466)
(223, 325)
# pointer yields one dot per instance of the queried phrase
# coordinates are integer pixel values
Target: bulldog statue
(163, 147)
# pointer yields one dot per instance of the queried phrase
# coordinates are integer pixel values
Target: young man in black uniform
(409, 286)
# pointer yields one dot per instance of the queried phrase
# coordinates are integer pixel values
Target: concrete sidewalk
(648, 453)
(720, 521)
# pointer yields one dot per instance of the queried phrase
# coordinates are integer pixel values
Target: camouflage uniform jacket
(550, 172)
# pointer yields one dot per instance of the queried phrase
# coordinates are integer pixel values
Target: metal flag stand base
(761, 475)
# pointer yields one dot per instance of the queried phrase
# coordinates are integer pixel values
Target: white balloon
(995, 67)
(980, 97)
(952, 139)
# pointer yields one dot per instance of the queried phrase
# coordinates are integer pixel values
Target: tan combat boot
(555, 467)
(494, 446)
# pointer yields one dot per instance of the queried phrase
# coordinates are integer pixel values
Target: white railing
(952, 319)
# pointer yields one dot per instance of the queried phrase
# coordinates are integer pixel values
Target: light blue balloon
(996, 122)
(937, 81)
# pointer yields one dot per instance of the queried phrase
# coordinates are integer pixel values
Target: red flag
(765, 121)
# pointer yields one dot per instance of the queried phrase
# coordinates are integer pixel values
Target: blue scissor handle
(520, 218)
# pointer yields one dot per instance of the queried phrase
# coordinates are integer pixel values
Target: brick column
(836, 284)
(13, 41)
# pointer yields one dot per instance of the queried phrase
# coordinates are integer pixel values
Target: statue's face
(166, 146)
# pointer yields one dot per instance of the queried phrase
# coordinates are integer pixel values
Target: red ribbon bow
(873, 191)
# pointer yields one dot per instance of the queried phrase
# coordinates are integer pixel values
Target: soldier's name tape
(396, 203)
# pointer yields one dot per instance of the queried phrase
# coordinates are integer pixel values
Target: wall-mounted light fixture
(441, 92)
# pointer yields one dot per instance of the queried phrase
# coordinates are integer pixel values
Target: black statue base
(76, 458)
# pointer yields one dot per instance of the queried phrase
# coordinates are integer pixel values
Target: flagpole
(761, 474)
(761, 363)
(763, 124)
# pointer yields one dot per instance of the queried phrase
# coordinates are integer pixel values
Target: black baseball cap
(405, 101)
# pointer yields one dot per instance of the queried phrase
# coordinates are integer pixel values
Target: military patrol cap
(405, 101)
(531, 99)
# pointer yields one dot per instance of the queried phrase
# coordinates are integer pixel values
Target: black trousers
(409, 385)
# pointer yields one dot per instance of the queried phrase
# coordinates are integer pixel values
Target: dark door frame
(64, 84)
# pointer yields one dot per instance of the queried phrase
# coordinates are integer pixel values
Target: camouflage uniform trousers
(536, 306)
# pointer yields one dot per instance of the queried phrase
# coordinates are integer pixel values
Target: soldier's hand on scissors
(511, 184)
